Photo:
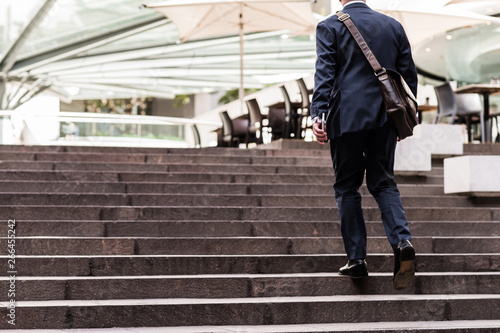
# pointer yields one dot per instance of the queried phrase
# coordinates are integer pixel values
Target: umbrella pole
(242, 87)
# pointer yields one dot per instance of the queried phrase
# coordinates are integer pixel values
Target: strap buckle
(344, 17)
(382, 72)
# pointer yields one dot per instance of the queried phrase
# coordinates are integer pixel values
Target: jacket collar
(355, 5)
(353, 2)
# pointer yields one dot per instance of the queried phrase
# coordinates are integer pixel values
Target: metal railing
(83, 128)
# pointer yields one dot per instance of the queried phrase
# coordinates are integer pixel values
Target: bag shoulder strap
(346, 19)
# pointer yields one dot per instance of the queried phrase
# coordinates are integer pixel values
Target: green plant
(233, 95)
(181, 100)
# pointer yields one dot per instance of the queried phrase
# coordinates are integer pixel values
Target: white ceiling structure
(87, 49)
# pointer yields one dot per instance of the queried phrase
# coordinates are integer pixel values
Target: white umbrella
(463, 1)
(422, 25)
(197, 19)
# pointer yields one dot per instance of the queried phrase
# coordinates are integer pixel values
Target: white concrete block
(472, 175)
(412, 156)
(441, 139)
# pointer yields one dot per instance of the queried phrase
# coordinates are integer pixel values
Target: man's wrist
(316, 119)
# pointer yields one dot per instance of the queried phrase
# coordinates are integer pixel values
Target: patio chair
(462, 108)
(233, 131)
(291, 116)
(277, 123)
(495, 116)
(306, 107)
(196, 135)
(255, 126)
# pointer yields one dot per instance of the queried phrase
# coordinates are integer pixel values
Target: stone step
(482, 149)
(74, 186)
(309, 150)
(299, 148)
(306, 160)
(291, 144)
(247, 200)
(183, 237)
(193, 228)
(262, 189)
(437, 162)
(178, 167)
(236, 246)
(242, 286)
(251, 311)
(136, 265)
(450, 326)
(180, 213)
(164, 167)
(221, 177)
(111, 176)
(41, 175)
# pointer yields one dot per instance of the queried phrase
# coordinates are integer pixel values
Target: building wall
(75, 106)
(322, 7)
(166, 108)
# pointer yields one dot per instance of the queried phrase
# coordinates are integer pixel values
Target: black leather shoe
(404, 265)
(355, 269)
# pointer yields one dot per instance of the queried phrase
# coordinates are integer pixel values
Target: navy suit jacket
(345, 86)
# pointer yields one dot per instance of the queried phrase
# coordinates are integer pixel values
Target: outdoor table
(425, 108)
(293, 121)
(486, 90)
(281, 105)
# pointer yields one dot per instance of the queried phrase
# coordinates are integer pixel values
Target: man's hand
(319, 131)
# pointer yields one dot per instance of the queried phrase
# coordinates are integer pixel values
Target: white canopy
(197, 19)
(423, 25)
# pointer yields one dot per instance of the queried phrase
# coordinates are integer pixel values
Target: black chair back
(287, 103)
(290, 115)
(304, 121)
(196, 134)
(254, 121)
(277, 123)
(254, 114)
(227, 129)
(304, 94)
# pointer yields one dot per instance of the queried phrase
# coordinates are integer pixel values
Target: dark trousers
(353, 154)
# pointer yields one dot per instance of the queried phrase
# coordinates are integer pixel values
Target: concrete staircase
(228, 240)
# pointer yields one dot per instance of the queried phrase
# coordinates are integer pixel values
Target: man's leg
(349, 164)
(380, 181)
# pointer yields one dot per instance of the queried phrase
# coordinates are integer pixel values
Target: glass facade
(13, 18)
(473, 54)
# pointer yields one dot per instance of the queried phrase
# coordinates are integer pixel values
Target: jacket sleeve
(405, 65)
(325, 69)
